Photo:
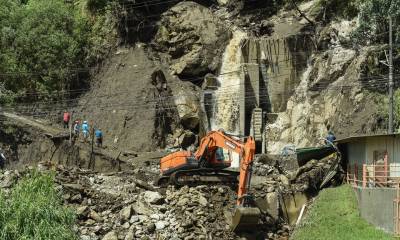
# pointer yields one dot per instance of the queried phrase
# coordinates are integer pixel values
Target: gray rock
(82, 211)
(196, 39)
(284, 179)
(126, 213)
(126, 225)
(203, 201)
(95, 216)
(110, 236)
(160, 225)
(85, 237)
(151, 227)
(130, 236)
(153, 197)
(134, 219)
(141, 208)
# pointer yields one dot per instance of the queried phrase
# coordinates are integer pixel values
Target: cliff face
(149, 95)
(314, 77)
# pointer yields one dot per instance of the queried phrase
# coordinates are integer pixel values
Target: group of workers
(84, 128)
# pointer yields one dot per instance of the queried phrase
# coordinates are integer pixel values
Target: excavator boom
(207, 165)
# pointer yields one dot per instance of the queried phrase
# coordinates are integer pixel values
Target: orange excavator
(209, 165)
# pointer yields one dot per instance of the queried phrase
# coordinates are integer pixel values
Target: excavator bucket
(245, 218)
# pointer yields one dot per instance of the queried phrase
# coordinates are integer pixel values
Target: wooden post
(386, 169)
(364, 176)
(355, 174)
(91, 161)
(70, 130)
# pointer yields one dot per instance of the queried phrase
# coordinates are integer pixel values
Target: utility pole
(391, 84)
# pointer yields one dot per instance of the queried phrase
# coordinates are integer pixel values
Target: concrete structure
(377, 207)
(373, 169)
(371, 150)
(272, 68)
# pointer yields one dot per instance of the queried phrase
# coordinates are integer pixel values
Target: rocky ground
(126, 205)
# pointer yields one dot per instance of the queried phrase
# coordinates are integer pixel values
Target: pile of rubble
(125, 205)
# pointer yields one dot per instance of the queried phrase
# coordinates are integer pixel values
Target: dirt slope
(122, 103)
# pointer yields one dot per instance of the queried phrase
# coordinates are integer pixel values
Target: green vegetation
(46, 44)
(34, 211)
(334, 216)
(373, 18)
(382, 101)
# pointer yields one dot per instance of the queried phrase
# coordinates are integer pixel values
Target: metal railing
(373, 175)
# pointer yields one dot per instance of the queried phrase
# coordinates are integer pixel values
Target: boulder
(188, 106)
(193, 37)
(186, 139)
(153, 197)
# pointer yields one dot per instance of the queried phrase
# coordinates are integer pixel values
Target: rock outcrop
(193, 38)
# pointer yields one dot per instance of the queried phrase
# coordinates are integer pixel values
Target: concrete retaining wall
(376, 206)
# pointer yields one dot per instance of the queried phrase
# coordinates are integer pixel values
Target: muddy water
(226, 106)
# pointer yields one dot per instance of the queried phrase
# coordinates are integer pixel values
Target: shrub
(34, 211)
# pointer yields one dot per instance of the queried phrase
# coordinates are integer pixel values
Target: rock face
(193, 38)
(329, 96)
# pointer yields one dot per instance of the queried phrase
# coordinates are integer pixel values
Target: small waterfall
(227, 96)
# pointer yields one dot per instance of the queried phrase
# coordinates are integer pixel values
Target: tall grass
(34, 210)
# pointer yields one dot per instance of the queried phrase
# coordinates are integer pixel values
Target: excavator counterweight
(208, 165)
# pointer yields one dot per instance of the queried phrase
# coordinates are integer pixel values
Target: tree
(373, 20)
(42, 43)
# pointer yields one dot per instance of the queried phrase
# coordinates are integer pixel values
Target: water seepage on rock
(192, 35)
(153, 197)
(110, 236)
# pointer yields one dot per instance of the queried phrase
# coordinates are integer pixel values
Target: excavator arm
(214, 140)
(246, 151)
(245, 217)
(205, 163)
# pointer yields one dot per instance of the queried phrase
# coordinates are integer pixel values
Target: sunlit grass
(34, 210)
(334, 216)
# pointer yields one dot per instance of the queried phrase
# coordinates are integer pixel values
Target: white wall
(389, 143)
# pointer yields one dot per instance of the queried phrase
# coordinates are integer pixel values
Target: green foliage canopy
(373, 20)
(45, 44)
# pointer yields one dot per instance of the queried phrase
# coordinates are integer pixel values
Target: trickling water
(227, 96)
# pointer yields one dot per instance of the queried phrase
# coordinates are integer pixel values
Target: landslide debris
(126, 205)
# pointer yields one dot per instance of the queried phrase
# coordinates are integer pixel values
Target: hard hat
(84, 121)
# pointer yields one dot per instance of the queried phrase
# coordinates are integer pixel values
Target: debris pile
(125, 205)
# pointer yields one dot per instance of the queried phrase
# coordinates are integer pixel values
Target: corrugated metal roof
(356, 138)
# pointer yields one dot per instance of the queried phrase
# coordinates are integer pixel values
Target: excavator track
(202, 176)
